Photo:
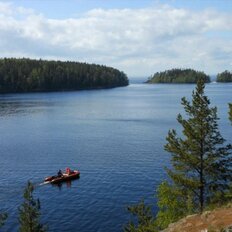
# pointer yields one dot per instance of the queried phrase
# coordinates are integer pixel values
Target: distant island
(27, 75)
(225, 76)
(178, 76)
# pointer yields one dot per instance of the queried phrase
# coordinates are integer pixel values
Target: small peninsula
(179, 76)
(224, 77)
(28, 75)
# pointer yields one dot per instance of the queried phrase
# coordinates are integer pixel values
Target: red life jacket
(68, 170)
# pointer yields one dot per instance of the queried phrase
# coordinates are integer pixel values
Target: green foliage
(179, 76)
(3, 217)
(26, 75)
(220, 199)
(173, 204)
(145, 220)
(230, 112)
(29, 212)
(225, 76)
(201, 163)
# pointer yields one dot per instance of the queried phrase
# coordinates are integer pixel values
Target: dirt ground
(215, 220)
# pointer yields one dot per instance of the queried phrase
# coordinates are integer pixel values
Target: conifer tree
(29, 212)
(200, 161)
(145, 219)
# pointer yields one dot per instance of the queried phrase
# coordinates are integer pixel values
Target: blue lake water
(115, 137)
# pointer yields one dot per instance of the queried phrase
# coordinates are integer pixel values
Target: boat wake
(43, 183)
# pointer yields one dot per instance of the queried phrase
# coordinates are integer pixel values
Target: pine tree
(29, 212)
(201, 163)
(145, 220)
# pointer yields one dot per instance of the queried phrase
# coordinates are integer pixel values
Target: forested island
(28, 75)
(225, 76)
(179, 76)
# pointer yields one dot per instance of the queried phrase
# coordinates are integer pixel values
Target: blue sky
(138, 37)
(71, 8)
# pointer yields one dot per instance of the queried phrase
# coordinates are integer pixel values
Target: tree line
(225, 76)
(186, 76)
(27, 75)
(200, 176)
(179, 76)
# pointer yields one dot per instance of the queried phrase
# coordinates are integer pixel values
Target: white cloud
(6, 8)
(137, 41)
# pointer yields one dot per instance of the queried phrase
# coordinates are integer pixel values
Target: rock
(217, 220)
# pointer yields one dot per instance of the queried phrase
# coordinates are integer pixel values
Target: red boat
(64, 177)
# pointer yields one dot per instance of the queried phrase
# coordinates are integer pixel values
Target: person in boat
(68, 171)
(59, 173)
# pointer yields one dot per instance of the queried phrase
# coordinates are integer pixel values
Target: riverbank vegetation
(180, 76)
(200, 176)
(225, 76)
(27, 75)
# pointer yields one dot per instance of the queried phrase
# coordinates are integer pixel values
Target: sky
(138, 37)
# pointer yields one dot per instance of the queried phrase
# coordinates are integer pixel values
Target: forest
(225, 76)
(179, 76)
(28, 75)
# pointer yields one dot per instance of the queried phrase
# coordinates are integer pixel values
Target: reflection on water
(67, 184)
(22, 107)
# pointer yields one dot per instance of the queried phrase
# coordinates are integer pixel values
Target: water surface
(114, 136)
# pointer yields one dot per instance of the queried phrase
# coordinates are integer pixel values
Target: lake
(115, 137)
